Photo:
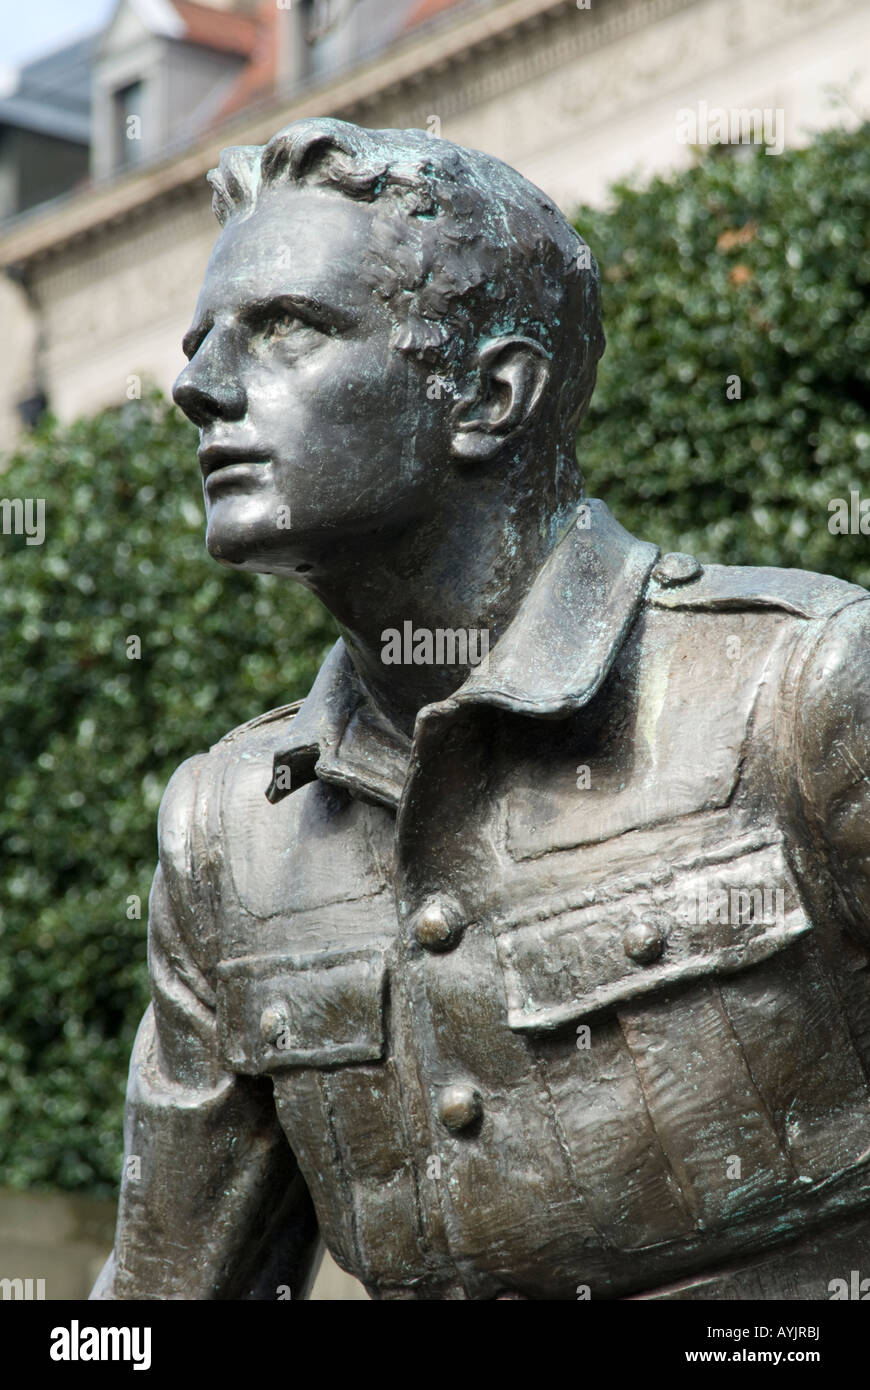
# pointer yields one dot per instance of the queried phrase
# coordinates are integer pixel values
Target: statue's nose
(206, 393)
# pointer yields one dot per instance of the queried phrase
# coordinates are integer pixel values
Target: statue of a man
(528, 957)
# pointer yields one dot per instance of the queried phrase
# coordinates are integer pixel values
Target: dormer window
(319, 16)
(127, 112)
(164, 70)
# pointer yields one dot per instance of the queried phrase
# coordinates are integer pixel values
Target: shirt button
(273, 1023)
(676, 568)
(459, 1107)
(644, 942)
(439, 925)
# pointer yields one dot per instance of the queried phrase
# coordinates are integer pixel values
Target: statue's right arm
(212, 1204)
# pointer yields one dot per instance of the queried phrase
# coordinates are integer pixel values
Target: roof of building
(222, 29)
(258, 76)
(428, 9)
(52, 95)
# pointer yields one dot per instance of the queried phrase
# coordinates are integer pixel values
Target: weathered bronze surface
(528, 957)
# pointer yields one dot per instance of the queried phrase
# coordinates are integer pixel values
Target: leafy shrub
(88, 740)
(753, 266)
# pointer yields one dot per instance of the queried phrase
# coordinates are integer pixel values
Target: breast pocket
(320, 1010)
(710, 915)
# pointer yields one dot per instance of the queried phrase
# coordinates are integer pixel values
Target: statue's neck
(464, 574)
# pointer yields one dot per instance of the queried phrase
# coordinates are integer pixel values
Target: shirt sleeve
(212, 1204)
(832, 713)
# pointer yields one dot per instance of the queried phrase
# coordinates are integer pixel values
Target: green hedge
(754, 266)
(748, 265)
(88, 741)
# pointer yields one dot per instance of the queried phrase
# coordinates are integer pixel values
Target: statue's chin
(229, 549)
(239, 549)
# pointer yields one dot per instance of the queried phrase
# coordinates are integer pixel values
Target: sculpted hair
(463, 248)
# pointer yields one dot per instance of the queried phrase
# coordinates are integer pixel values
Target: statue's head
(385, 316)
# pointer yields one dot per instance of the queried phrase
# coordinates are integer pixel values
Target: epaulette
(272, 716)
(681, 581)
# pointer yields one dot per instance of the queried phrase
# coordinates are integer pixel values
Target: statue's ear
(511, 376)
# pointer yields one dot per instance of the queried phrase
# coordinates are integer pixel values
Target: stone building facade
(100, 286)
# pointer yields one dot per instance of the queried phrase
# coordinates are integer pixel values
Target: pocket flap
(712, 917)
(277, 1011)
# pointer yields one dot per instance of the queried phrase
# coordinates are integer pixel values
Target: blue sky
(30, 28)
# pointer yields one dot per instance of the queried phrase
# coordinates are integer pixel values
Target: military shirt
(568, 992)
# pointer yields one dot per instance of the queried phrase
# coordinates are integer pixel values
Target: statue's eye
(282, 325)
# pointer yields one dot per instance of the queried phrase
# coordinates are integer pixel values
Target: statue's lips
(216, 459)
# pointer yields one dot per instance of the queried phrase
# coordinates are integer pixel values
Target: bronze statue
(527, 957)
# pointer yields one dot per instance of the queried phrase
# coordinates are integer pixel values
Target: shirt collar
(549, 662)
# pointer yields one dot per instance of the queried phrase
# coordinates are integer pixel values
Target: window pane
(128, 124)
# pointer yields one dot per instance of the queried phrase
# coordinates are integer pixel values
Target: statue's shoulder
(680, 582)
(253, 729)
(195, 790)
